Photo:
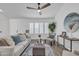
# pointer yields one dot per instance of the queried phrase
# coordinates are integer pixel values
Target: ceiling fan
(39, 8)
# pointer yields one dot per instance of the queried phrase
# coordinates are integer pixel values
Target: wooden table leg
(63, 42)
(71, 45)
(57, 40)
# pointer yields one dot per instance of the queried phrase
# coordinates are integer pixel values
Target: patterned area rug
(56, 51)
(29, 51)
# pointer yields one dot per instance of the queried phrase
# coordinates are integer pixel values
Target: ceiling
(16, 10)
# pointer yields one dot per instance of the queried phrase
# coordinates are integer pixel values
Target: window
(36, 28)
(41, 28)
(31, 28)
(46, 28)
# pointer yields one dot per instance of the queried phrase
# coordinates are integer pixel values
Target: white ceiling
(16, 10)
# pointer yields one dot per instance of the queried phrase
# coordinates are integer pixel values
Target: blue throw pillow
(16, 39)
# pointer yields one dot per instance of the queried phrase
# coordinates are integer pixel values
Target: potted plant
(52, 27)
(52, 33)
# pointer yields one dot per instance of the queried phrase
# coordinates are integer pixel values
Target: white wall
(4, 24)
(64, 11)
(21, 24)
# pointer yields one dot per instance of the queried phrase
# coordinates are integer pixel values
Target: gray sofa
(20, 47)
(14, 50)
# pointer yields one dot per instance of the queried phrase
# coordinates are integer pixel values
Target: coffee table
(38, 51)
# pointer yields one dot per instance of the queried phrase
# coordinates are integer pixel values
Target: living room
(31, 22)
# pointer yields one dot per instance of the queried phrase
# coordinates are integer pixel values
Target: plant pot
(52, 35)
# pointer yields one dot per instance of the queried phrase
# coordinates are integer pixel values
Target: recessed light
(38, 10)
(1, 10)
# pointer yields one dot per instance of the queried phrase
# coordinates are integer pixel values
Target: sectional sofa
(14, 49)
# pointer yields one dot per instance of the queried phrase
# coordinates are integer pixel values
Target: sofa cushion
(18, 49)
(16, 39)
(21, 43)
(6, 50)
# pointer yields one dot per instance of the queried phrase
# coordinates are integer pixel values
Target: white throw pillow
(22, 37)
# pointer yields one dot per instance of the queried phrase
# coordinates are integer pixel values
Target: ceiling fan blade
(46, 5)
(38, 3)
(38, 6)
(31, 8)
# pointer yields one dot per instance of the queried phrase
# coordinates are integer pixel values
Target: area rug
(29, 50)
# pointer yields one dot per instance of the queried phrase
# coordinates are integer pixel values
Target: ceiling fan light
(1, 10)
(38, 10)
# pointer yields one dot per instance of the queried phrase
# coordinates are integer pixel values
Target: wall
(66, 9)
(4, 24)
(21, 24)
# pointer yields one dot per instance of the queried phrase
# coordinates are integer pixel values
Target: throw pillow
(8, 39)
(16, 39)
(22, 37)
(3, 42)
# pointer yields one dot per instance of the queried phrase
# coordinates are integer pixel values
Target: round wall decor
(71, 22)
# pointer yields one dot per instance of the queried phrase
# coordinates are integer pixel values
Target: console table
(67, 38)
